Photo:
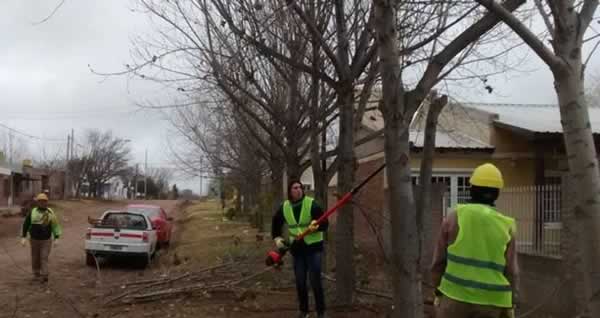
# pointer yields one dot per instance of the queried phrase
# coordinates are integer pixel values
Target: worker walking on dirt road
(300, 213)
(42, 226)
(474, 265)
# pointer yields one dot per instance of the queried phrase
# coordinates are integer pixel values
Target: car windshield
(148, 211)
(124, 220)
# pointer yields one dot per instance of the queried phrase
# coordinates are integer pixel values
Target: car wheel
(144, 261)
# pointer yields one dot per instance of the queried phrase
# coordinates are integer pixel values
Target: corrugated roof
(444, 139)
(373, 120)
(532, 117)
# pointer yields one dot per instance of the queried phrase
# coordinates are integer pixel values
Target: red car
(160, 220)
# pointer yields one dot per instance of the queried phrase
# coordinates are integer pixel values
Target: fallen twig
(197, 287)
(158, 282)
(120, 296)
(363, 291)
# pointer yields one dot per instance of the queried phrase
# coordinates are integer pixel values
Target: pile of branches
(219, 278)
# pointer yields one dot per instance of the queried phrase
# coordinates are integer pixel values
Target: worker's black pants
(309, 264)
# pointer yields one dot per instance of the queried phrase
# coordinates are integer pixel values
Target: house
(114, 189)
(525, 142)
(20, 183)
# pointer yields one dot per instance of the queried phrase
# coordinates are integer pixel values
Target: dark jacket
(299, 246)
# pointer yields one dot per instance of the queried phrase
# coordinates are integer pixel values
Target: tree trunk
(277, 195)
(292, 166)
(583, 166)
(405, 253)
(581, 151)
(424, 223)
(397, 109)
(315, 136)
(344, 234)
(572, 272)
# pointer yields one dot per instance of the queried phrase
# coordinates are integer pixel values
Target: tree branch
(51, 14)
(545, 16)
(312, 28)
(586, 14)
(503, 12)
(470, 35)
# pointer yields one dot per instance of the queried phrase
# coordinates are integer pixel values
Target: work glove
(437, 296)
(23, 241)
(279, 242)
(313, 227)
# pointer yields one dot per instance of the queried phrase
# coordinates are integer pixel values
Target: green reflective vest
(296, 227)
(476, 260)
(44, 222)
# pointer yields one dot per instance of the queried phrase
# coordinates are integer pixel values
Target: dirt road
(72, 285)
(202, 239)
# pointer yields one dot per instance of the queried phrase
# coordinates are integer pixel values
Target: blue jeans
(309, 264)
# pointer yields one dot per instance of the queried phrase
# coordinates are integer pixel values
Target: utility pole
(10, 164)
(146, 176)
(200, 185)
(72, 143)
(67, 187)
(135, 181)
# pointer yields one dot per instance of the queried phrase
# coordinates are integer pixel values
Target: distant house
(20, 183)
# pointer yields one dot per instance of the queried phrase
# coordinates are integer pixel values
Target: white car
(120, 233)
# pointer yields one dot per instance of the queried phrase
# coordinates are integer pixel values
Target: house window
(457, 187)
(462, 189)
(550, 199)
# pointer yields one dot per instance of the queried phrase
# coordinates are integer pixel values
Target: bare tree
(107, 158)
(349, 25)
(568, 23)
(404, 39)
(161, 178)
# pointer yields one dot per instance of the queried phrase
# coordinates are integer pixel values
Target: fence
(536, 210)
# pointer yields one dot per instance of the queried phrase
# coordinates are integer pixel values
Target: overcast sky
(47, 88)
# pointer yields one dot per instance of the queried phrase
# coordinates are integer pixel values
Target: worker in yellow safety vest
(44, 230)
(300, 213)
(475, 267)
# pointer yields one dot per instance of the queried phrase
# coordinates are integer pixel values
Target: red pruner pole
(343, 200)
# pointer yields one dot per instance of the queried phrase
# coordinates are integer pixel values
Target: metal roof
(532, 117)
(444, 139)
(373, 120)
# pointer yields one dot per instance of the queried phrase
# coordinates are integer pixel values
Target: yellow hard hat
(41, 197)
(487, 175)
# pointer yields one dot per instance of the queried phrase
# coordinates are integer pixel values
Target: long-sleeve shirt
(447, 236)
(43, 229)
(279, 221)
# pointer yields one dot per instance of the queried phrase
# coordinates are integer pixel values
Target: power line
(28, 135)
